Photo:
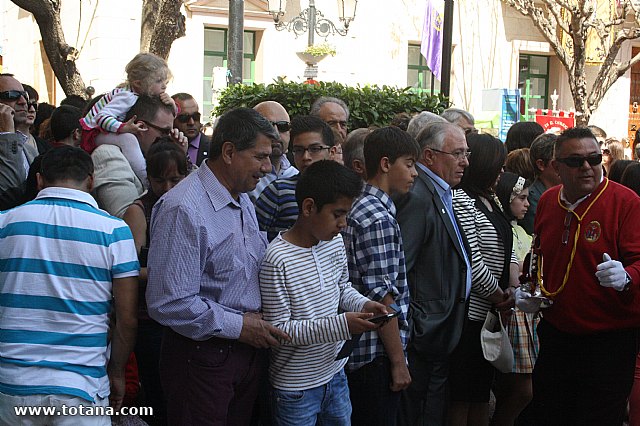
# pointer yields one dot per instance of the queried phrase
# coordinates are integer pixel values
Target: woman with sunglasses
(25, 127)
(167, 165)
(494, 276)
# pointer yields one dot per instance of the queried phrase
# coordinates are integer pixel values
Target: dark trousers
(372, 401)
(214, 382)
(424, 402)
(583, 379)
(147, 352)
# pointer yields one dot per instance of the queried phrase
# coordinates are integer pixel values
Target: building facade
(493, 47)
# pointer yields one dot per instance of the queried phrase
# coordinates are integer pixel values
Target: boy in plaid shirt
(377, 369)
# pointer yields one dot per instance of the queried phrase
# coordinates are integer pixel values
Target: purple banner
(431, 47)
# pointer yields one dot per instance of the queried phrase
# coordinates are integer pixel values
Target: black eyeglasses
(32, 104)
(164, 131)
(458, 155)
(184, 118)
(606, 152)
(575, 161)
(14, 95)
(470, 130)
(282, 126)
(313, 149)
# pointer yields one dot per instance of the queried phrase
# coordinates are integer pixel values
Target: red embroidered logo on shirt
(593, 231)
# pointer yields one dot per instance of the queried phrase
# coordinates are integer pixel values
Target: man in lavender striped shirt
(204, 259)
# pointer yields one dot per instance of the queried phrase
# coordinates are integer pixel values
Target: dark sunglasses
(14, 95)
(575, 162)
(283, 126)
(184, 118)
(606, 152)
(164, 131)
(33, 104)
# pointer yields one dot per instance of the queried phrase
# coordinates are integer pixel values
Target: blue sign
(510, 111)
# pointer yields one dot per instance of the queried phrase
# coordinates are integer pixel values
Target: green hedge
(368, 105)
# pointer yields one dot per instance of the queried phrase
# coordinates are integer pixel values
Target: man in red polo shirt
(589, 245)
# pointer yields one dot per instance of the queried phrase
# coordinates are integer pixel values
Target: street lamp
(312, 20)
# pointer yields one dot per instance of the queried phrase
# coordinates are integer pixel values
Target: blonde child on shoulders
(147, 74)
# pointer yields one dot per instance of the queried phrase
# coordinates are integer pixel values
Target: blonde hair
(144, 67)
(616, 149)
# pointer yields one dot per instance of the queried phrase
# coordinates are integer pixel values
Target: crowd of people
(287, 271)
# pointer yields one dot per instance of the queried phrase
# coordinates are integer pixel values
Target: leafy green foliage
(368, 105)
(321, 49)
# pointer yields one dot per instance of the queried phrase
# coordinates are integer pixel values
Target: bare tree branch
(555, 10)
(577, 18)
(162, 24)
(62, 57)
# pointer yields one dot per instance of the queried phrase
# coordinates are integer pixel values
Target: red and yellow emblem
(593, 231)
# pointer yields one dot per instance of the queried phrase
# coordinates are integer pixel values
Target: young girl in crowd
(147, 74)
(514, 391)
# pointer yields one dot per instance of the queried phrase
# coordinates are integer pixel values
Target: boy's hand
(166, 99)
(400, 377)
(375, 308)
(132, 127)
(358, 322)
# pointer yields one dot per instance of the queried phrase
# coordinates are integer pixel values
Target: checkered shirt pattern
(376, 265)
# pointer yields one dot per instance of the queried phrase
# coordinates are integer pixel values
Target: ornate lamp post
(311, 20)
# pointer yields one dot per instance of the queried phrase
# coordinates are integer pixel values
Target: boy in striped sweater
(304, 283)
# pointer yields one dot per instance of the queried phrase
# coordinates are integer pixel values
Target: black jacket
(436, 270)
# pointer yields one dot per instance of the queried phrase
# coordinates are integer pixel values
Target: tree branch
(162, 24)
(62, 57)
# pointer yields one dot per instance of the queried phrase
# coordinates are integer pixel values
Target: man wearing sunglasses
(16, 154)
(188, 122)
(588, 241)
(116, 186)
(280, 165)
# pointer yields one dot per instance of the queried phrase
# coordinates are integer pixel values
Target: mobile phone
(384, 317)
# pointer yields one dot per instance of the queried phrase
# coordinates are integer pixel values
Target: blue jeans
(326, 405)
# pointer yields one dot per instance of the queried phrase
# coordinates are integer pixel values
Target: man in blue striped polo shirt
(65, 266)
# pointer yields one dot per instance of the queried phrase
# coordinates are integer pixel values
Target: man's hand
(259, 333)
(178, 137)
(118, 387)
(611, 273)
(400, 377)
(526, 303)
(358, 322)
(132, 127)
(6, 119)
